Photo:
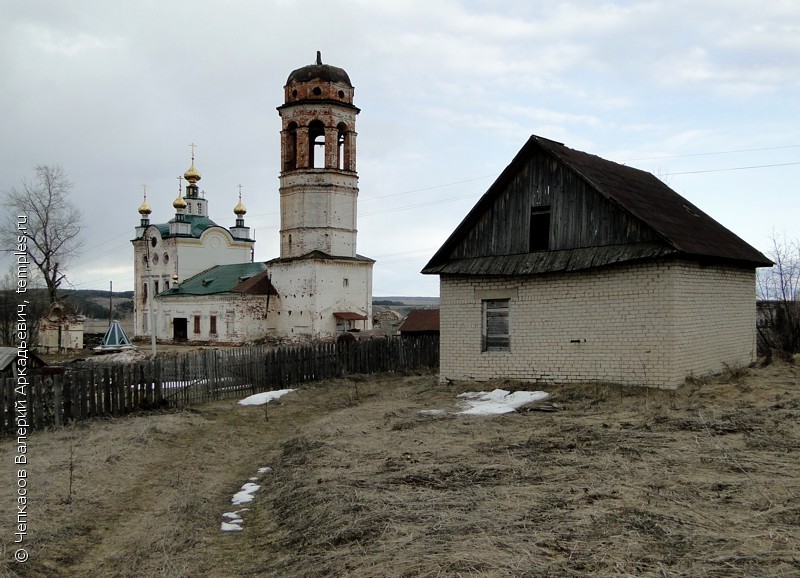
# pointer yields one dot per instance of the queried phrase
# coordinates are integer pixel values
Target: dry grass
(611, 481)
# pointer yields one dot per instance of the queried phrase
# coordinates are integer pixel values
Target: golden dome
(144, 208)
(239, 209)
(179, 203)
(192, 175)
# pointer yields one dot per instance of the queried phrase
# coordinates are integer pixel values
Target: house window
(197, 324)
(213, 325)
(539, 229)
(495, 325)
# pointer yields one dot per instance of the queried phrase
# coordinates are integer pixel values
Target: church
(196, 281)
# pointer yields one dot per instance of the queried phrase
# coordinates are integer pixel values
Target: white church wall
(312, 290)
(227, 318)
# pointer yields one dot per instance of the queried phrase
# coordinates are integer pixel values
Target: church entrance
(179, 329)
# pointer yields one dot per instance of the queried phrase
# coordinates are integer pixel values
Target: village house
(574, 268)
(207, 287)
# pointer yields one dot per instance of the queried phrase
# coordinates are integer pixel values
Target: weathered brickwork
(647, 324)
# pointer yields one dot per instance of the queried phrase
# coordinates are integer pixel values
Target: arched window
(342, 151)
(144, 292)
(316, 144)
(290, 154)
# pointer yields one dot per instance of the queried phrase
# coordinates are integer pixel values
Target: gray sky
(696, 91)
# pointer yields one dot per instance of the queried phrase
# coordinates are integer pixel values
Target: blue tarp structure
(115, 339)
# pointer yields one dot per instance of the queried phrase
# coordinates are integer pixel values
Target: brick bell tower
(318, 181)
(324, 287)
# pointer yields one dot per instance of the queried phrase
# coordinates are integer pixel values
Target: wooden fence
(201, 376)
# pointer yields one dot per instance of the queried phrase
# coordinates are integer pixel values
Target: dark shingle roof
(685, 229)
(646, 197)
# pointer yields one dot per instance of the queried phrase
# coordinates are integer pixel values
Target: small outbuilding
(8, 359)
(420, 322)
(575, 268)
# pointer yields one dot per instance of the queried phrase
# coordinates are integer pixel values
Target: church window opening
(345, 282)
(290, 240)
(341, 94)
(316, 145)
(155, 258)
(342, 152)
(212, 328)
(290, 152)
(197, 324)
(189, 208)
(155, 287)
(166, 258)
(144, 293)
(317, 91)
(153, 241)
(539, 232)
(166, 285)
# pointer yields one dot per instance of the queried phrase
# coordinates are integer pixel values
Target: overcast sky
(704, 93)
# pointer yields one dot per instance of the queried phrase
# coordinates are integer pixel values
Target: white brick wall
(647, 324)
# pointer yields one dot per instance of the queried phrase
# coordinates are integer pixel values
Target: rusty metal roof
(686, 230)
(256, 285)
(349, 316)
(419, 320)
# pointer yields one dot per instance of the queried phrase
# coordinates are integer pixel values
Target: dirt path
(368, 482)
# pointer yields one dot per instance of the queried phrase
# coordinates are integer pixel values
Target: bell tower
(318, 181)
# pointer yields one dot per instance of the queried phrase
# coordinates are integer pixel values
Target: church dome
(180, 202)
(192, 175)
(239, 209)
(144, 208)
(319, 71)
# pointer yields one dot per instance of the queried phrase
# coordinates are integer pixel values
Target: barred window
(495, 325)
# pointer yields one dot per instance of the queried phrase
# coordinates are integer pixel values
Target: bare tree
(779, 298)
(52, 224)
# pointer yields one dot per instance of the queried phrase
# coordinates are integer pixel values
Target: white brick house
(574, 268)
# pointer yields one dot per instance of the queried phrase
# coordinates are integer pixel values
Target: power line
(712, 153)
(733, 169)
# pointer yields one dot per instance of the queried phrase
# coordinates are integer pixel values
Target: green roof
(216, 280)
(199, 224)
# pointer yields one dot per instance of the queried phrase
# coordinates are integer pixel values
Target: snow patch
(232, 521)
(265, 397)
(245, 495)
(498, 401)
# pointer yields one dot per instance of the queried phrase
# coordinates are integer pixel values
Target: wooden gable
(595, 212)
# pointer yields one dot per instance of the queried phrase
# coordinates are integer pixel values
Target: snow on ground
(245, 495)
(497, 401)
(232, 521)
(264, 397)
